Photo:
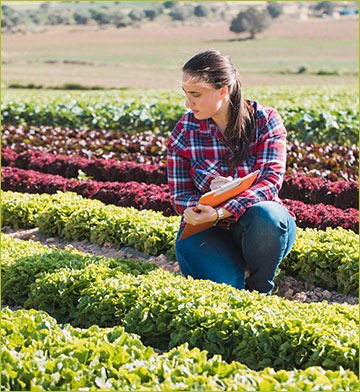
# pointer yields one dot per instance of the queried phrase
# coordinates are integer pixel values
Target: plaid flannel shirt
(198, 144)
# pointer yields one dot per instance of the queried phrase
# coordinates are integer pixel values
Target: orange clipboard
(218, 196)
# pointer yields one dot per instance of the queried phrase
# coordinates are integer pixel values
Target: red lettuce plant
(311, 190)
(156, 197)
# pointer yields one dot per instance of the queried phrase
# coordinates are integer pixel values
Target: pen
(206, 173)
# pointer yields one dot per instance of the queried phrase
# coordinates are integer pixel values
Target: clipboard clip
(224, 188)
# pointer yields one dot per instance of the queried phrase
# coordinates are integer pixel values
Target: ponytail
(241, 126)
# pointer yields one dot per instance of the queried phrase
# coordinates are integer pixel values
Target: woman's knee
(265, 216)
(266, 224)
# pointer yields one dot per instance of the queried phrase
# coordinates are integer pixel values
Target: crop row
(340, 194)
(97, 169)
(126, 194)
(42, 355)
(330, 161)
(313, 190)
(321, 216)
(168, 310)
(317, 123)
(88, 143)
(316, 255)
(70, 216)
(156, 197)
(325, 97)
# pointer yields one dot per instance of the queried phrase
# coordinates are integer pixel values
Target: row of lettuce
(166, 310)
(327, 258)
(298, 186)
(21, 145)
(42, 355)
(330, 115)
(157, 197)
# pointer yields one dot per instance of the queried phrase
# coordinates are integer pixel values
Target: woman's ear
(224, 91)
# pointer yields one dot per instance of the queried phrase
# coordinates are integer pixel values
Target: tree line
(251, 20)
(103, 14)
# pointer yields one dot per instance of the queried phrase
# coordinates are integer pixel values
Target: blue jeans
(258, 242)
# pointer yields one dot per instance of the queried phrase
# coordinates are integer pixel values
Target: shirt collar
(209, 128)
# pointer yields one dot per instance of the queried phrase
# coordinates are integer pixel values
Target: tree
(326, 7)
(181, 12)
(201, 11)
(100, 17)
(169, 4)
(45, 6)
(82, 17)
(57, 19)
(136, 15)
(150, 14)
(252, 20)
(274, 9)
(10, 17)
(35, 17)
(119, 19)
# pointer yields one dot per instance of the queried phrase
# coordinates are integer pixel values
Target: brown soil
(288, 28)
(67, 42)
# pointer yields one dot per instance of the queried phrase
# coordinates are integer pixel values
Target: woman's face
(203, 99)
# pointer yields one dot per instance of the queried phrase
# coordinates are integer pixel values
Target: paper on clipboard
(218, 196)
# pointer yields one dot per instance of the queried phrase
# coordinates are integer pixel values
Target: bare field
(152, 56)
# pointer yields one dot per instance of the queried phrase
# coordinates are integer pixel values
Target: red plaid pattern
(198, 144)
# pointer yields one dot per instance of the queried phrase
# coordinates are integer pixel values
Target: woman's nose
(188, 103)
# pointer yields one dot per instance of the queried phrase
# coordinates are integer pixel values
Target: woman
(228, 137)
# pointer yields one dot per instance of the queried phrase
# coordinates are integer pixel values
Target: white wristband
(220, 215)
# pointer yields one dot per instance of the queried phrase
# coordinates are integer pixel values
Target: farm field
(55, 180)
(152, 55)
(92, 295)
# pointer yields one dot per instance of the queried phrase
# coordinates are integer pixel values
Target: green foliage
(181, 12)
(70, 216)
(130, 117)
(22, 209)
(167, 310)
(14, 249)
(202, 11)
(327, 258)
(251, 20)
(18, 276)
(65, 293)
(274, 9)
(310, 125)
(254, 329)
(73, 220)
(10, 17)
(43, 355)
(317, 114)
(90, 13)
(24, 262)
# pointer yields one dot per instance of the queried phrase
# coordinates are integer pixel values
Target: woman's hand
(218, 181)
(203, 214)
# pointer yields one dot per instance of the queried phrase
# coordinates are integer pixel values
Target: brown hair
(216, 69)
